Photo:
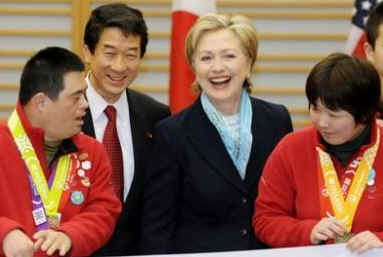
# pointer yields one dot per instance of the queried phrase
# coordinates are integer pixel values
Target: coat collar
(205, 138)
(36, 136)
(137, 122)
(88, 127)
(262, 136)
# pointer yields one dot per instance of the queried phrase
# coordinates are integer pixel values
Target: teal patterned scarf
(239, 150)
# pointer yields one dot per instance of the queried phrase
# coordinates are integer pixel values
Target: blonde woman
(201, 186)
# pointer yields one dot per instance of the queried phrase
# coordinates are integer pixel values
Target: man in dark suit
(115, 41)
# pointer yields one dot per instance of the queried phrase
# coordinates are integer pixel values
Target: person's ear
(39, 101)
(87, 54)
(369, 52)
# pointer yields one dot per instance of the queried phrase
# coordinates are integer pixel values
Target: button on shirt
(97, 105)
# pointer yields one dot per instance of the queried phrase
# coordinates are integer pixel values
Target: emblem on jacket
(77, 197)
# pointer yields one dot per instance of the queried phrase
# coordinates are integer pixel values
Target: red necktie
(113, 148)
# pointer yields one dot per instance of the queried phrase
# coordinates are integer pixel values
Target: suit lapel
(260, 139)
(137, 124)
(207, 141)
(88, 127)
(138, 128)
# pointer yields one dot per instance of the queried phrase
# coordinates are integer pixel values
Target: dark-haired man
(115, 42)
(374, 31)
(373, 48)
(56, 195)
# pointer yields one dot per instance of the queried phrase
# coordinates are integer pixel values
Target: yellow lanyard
(345, 210)
(50, 198)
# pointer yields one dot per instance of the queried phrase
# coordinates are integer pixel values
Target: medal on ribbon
(50, 197)
(343, 239)
(345, 206)
(54, 220)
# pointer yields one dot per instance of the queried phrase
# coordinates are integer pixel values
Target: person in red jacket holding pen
(323, 183)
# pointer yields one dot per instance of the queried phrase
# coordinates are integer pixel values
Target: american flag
(357, 37)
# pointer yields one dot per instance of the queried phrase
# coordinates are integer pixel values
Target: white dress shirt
(97, 105)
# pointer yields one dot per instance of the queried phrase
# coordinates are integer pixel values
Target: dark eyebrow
(134, 48)
(107, 46)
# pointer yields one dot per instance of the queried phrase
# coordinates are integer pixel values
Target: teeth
(219, 80)
(116, 78)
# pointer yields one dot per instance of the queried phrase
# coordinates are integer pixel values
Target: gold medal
(344, 207)
(54, 221)
(343, 239)
(50, 197)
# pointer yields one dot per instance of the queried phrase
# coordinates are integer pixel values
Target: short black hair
(45, 71)
(129, 20)
(373, 23)
(343, 82)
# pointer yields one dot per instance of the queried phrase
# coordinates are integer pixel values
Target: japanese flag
(184, 14)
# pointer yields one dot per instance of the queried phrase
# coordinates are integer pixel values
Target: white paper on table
(332, 250)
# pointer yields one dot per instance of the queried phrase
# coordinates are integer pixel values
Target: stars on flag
(366, 5)
(361, 10)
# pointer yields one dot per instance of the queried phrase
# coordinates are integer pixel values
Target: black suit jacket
(194, 199)
(144, 112)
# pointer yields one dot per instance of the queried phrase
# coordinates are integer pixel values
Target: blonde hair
(239, 25)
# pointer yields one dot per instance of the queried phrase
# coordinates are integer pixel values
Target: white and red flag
(184, 14)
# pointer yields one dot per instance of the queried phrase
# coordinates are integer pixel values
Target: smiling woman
(201, 184)
(221, 66)
(222, 53)
(321, 183)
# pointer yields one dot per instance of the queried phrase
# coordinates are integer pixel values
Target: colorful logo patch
(77, 197)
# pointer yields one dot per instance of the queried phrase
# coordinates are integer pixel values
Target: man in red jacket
(56, 194)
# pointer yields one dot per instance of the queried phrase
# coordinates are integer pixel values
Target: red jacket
(288, 205)
(90, 224)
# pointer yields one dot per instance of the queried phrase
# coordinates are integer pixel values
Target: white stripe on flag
(353, 38)
(196, 7)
